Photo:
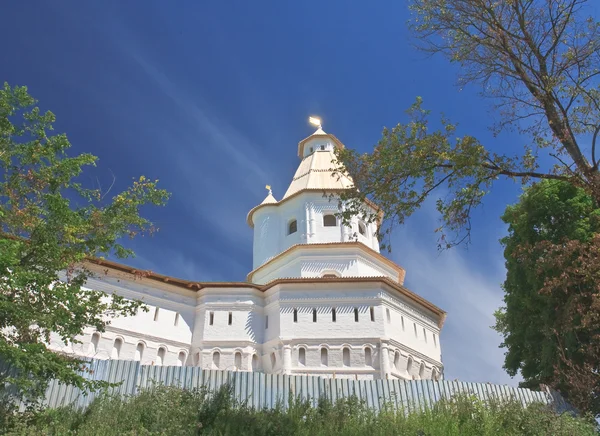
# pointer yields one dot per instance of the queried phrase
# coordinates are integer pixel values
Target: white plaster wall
(249, 335)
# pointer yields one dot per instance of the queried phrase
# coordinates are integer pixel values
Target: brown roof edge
(401, 271)
(187, 284)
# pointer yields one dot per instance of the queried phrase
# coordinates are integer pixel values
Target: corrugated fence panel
(260, 390)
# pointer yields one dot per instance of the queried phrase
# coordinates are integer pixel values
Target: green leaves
(50, 225)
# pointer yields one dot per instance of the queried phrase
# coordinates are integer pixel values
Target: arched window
(197, 358)
(216, 361)
(116, 350)
(329, 220)
(314, 315)
(409, 365)
(302, 356)
(368, 357)
(93, 348)
(324, 360)
(346, 356)
(181, 358)
(295, 315)
(422, 370)
(139, 352)
(237, 360)
(397, 361)
(160, 356)
(362, 229)
(292, 227)
(435, 375)
(254, 362)
(273, 360)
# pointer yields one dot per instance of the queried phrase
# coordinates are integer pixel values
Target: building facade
(320, 300)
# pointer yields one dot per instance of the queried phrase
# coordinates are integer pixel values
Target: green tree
(49, 225)
(537, 60)
(547, 294)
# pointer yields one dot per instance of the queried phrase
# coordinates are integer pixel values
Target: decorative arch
(216, 359)
(362, 228)
(397, 360)
(369, 355)
(139, 351)
(93, 348)
(409, 365)
(346, 356)
(237, 360)
(181, 358)
(273, 359)
(161, 355)
(116, 349)
(324, 356)
(302, 355)
(254, 362)
(422, 370)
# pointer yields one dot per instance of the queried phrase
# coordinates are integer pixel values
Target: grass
(174, 411)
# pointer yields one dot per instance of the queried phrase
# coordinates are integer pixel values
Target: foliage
(169, 410)
(50, 224)
(550, 323)
(538, 61)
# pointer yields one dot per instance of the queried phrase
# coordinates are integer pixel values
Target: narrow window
(139, 352)
(267, 321)
(387, 314)
(424, 335)
(409, 365)
(397, 361)
(197, 358)
(93, 349)
(422, 370)
(333, 314)
(211, 318)
(302, 356)
(230, 319)
(322, 147)
(176, 322)
(254, 362)
(372, 312)
(156, 314)
(116, 348)
(273, 360)
(356, 314)
(237, 361)
(346, 356)
(435, 340)
(181, 359)
(362, 229)
(415, 326)
(402, 319)
(295, 315)
(292, 227)
(434, 374)
(312, 149)
(216, 360)
(160, 356)
(314, 315)
(329, 221)
(369, 357)
(324, 356)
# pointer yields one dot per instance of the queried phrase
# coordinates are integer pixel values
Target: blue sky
(212, 97)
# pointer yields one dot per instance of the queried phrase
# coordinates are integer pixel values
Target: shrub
(174, 411)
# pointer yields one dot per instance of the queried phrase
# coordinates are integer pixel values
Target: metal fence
(268, 390)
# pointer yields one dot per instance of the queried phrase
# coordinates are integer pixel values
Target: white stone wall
(274, 348)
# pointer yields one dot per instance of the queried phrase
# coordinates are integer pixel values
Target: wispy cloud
(467, 287)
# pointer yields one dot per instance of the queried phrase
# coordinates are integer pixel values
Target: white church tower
(320, 299)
